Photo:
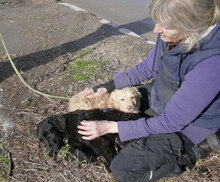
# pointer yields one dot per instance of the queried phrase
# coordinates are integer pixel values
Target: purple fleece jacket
(197, 91)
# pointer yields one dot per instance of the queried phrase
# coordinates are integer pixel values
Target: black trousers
(155, 156)
(152, 157)
(145, 90)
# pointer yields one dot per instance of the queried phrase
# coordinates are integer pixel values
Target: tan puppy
(126, 100)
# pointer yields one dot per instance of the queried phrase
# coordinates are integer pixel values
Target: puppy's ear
(60, 122)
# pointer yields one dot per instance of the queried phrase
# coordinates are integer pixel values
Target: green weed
(79, 76)
(82, 70)
(62, 154)
(64, 151)
(88, 66)
(110, 77)
(83, 53)
(47, 154)
(77, 162)
(4, 167)
(26, 101)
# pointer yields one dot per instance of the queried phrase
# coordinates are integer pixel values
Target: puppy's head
(126, 100)
(50, 131)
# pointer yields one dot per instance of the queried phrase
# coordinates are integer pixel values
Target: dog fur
(54, 129)
(126, 100)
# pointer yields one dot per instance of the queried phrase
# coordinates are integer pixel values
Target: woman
(185, 63)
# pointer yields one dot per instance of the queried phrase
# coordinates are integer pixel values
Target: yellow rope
(23, 81)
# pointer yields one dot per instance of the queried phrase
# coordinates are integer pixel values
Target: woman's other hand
(93, 129)
(89, 93)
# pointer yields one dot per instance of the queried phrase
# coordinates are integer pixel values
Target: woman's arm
(200, 87)
(141, 72)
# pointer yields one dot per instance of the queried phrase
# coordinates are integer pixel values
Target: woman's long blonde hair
(191, 17)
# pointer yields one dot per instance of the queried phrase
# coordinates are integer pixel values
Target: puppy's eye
(122, 99)
(133, 97)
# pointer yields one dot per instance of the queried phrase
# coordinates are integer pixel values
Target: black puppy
(54, 129)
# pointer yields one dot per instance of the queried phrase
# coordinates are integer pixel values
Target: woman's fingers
(91, 137)
(93, 129)
(93, 95)
(99, 92)
(87, 130)
(86, 92)
(102, 90)
(85, 133)
(88, 124)
(87, 127)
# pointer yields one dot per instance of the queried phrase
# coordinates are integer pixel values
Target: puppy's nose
(129, 107)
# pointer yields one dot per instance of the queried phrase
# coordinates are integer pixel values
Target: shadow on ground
(32, 60)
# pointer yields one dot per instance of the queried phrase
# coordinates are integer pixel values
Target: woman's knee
(129, 164)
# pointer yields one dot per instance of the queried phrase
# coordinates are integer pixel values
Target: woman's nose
(158, 28)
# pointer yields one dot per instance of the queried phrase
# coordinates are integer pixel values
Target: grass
(84, 52)
(80, 76)
(82, 70)
(4, 162)
(26, 102)
(80, 54)
(4, 167)
(62, 154)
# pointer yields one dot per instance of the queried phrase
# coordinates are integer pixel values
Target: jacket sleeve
(200, 87)
(141, 72)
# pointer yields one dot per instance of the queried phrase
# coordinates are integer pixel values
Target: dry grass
(31, 163)
(23, 110)
(28, 154)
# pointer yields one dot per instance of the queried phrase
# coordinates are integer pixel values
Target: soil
(44, 39)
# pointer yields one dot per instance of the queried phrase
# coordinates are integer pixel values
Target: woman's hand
(93, 129)
(88, 92)
(99, 92)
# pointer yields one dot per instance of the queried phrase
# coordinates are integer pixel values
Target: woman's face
(172, 36)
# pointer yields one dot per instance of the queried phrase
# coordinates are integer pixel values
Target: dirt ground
(44, 40)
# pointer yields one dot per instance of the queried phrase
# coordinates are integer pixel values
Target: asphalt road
(130, 14)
